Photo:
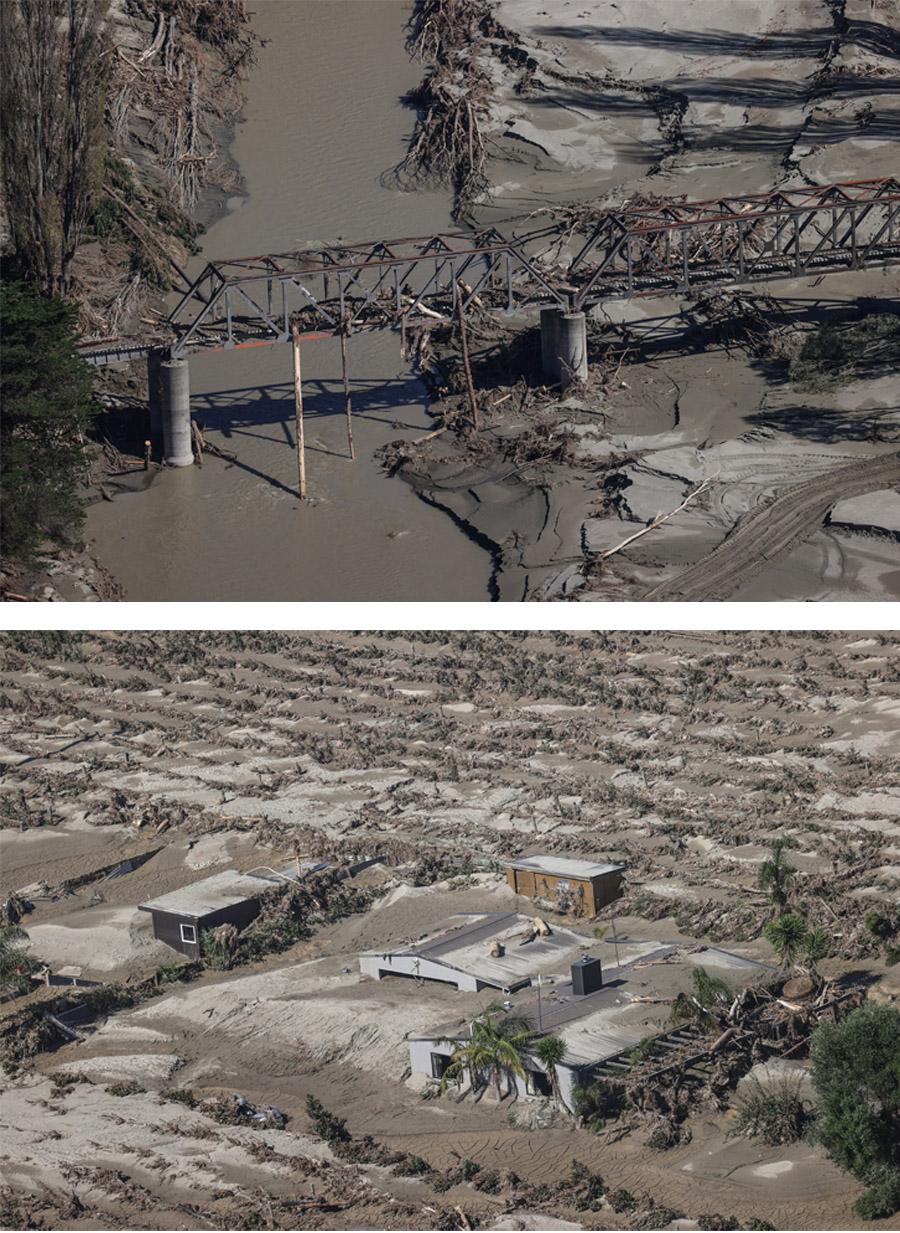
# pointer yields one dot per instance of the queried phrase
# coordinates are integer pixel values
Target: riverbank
(172, 100)
(592, 106)
(607, 105)
(235, 530)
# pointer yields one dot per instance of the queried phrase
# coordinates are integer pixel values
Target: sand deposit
(617, 103)
(682, 756)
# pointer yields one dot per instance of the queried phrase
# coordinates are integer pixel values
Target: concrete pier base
(572, 348)
(175, 400)
(550, 343)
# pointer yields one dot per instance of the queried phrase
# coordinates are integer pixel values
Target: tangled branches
(448, 142)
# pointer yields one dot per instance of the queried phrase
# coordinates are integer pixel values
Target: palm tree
(787, 934)
(496, 1046)
(550, 1051)
(815, 947)
(776, 875)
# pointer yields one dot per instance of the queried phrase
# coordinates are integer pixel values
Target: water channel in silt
(323, 121)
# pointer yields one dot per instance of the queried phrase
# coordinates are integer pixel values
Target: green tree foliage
(776, 875)
(815, 945)
(46, 393)
(550, 1051)
(495, 1048)
(856, 1074)
(598, 1102)
(882, 926)
(787, 934)
(54, 72)
(15, 963)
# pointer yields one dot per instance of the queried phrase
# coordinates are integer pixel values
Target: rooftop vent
(587, 976)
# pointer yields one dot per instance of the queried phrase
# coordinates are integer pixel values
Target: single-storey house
(565, 885)
(224, 898)
(594, 1013)
(229, 897)
(493, 950)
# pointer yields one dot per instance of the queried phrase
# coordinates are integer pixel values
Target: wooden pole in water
(470, 385)
(298, 412)
(348, 406)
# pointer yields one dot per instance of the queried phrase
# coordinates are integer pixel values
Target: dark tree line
(54, 71)
(47, 408)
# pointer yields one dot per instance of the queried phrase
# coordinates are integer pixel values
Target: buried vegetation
(736, 781)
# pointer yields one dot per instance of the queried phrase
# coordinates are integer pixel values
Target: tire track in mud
(765, 534)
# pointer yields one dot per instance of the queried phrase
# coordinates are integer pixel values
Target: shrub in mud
(598, 1102)
(586, 1187)
(776, 1114)
(440, 867)
(127, 1087)
(326, 1125)
(181, 1096)
(845, 352)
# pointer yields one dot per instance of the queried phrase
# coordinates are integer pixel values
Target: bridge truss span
(662, 247)
(361, 286)
(674, 247)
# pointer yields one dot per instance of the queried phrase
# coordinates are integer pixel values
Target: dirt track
(768, 532)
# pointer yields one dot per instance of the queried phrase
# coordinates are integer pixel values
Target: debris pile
(448, 144)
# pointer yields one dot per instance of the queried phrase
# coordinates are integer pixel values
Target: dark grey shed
(230, 898)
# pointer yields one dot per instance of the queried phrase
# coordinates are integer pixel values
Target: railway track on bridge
(766, 534)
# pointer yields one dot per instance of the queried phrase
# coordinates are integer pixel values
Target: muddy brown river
(323, 121)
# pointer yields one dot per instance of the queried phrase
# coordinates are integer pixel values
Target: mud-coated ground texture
(608, 103)
(684, 756)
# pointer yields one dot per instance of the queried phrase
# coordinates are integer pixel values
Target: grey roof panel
(563, 866)
(212, 894)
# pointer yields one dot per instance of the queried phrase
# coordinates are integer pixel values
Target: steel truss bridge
(659, 248)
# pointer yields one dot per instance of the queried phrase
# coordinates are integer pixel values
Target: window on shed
(188, 933)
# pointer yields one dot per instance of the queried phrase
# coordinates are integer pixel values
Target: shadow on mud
(870, 36)
(828, 426)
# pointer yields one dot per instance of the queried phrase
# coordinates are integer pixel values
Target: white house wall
(420, 1052)
(378, 966)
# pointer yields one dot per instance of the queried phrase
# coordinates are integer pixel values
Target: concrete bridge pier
(175, 408)
(572, 349)
(563, 346)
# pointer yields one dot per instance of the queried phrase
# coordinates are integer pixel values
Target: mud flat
(136, 764)
(604, 102)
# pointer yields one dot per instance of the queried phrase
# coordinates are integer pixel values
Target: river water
(323, 121)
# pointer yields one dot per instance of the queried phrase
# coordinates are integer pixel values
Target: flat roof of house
(563, 867)
(223, 890)
(464, 944)
(606, 1023)
(212, 894)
